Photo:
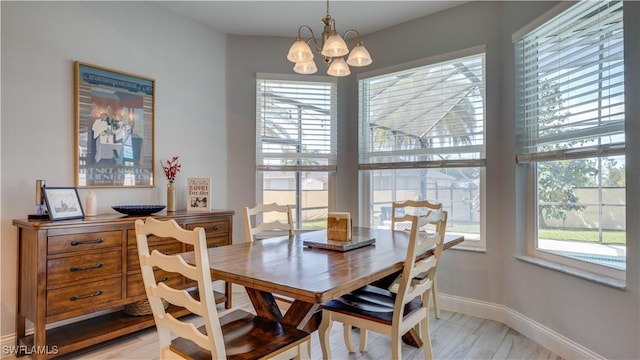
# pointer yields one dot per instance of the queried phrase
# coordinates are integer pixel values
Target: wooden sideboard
(68, 270)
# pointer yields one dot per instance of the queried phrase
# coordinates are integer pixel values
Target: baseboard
(551, 340)
(546, 337)
(8, 343)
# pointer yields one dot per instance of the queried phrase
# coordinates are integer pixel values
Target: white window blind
(571, 79)
(296, 124)
(427, 116)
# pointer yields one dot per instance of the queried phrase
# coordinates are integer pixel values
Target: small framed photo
(63, 203)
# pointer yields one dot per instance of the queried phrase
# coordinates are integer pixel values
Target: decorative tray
(138, 210)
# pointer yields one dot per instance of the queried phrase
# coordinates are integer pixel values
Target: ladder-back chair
(237, 335)
(399, 222)
(391, 313)
(269, 227)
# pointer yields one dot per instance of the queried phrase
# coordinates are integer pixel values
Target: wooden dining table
(308, 275)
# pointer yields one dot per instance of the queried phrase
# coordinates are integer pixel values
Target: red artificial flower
(171, 168)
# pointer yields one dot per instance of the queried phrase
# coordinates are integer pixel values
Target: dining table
(310, 276)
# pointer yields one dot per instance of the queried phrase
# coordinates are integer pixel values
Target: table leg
(264, 304)
(303, 315)
(411, 338)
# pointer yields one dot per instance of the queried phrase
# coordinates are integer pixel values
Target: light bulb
(305, 67)
(338, 68)
(299, 52)
(359, 56)
(335, 46)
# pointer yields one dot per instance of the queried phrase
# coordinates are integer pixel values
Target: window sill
(462, 247)
(582, 274)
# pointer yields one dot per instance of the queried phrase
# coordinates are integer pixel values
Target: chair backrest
(205, 306)
(271, 225)
(418, 275)
(400, 211)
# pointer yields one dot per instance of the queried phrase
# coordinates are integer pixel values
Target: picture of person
(198, 202)
(105, 130)
(102, 129)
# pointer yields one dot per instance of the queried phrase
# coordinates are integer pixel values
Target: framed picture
(198, 194)
(114, 128)
(63, 203)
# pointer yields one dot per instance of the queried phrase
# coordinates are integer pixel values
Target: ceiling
(282, 18)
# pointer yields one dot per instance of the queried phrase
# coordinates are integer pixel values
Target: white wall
(40, 42)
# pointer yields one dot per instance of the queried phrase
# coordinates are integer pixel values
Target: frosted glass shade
(338, 67)
(306, 67)
(335, 46)
(299, 52)
(359, 56)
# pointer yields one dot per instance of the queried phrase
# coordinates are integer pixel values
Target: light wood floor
(453, 336)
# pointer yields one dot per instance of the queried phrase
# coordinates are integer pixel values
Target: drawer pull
(96, 266)
(96, 241)
(214, 228)
(76, 297)
(164, 278)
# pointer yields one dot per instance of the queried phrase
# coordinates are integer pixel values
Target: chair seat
(370, 303)
(244, 338)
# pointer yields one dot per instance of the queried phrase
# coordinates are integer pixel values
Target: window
(570, 135)
(296, 144)
(422, 137)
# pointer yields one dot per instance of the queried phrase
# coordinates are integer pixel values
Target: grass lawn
(608, 237)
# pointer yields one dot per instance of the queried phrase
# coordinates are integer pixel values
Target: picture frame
(114, 128)
(63, 203)
(198, 194)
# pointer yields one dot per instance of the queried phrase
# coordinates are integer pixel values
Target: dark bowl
(138, 210)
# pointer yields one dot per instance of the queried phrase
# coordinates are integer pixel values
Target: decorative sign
(339, 226)
(198, 194)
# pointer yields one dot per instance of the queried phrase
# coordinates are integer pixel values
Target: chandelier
(333, 50)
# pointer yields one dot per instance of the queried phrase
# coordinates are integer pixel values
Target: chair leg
(304, 351)
(363, 339)
(434, 291)
(396, 345)
(323, 333)
(348, 340)
(426, 339)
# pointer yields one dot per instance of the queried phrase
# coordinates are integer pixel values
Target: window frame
(528, 162)
(330, 169)
(365, 172)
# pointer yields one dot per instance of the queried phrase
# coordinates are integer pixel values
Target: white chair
(271, 224)
(386, 312)
(237, 335)
(398, 222)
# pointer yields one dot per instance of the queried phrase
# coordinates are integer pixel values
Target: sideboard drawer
(212, 228)
(83, 296)
(133, 261)
(80, 242)
(213, 242)
(83, 267)
(132, 241)
(135, 286)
